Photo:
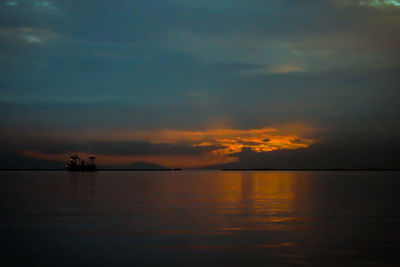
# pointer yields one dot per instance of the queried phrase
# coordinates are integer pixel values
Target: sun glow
(227, 140)
(214, 146)
(258, 140)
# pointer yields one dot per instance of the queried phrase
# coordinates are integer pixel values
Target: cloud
(32, 38)
(344, 153)
(379, 3)
(223, 141)
(278, 69)
(195, 67)
(340, 35)
(25, 35)
(284, 69)
(173, 148)
(35, 6)
(11, 3)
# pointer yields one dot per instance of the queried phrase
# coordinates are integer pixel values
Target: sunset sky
(194, 83)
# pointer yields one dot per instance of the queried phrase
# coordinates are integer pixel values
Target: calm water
(200, 218)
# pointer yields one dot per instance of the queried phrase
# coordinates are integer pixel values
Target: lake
(200, 218)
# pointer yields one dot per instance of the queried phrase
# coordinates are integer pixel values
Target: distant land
(305, 169)
(138, 165)
(17, 162)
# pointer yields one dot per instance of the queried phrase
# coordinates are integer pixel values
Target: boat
(76, 164)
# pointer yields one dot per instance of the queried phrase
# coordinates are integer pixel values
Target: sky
(193, 84)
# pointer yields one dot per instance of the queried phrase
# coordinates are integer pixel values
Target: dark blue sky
(119, 78)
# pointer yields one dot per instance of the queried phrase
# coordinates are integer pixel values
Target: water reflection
(189, 218)
(248, 187)
(81, 189)
(268, 201)
(207, 202)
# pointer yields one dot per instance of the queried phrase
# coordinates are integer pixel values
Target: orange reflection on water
(230, 247)
(229, 202)
(207, 203)
(277, 245)
(266, 200)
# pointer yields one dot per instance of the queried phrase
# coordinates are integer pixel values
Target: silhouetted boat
(76, 164)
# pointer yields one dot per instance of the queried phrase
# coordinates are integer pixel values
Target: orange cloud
(227, 143)
(258, 140)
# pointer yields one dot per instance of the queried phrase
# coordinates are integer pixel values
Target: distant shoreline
(62, 170)
(333, 169)
(178, 169)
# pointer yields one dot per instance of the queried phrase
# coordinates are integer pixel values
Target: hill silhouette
(20, 162)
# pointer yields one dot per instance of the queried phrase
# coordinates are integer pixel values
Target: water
(200, 218)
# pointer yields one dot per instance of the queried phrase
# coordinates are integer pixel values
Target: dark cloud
(111, 65)
(346, 153)
(141, 148)
(120, 148)
(247, 143)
